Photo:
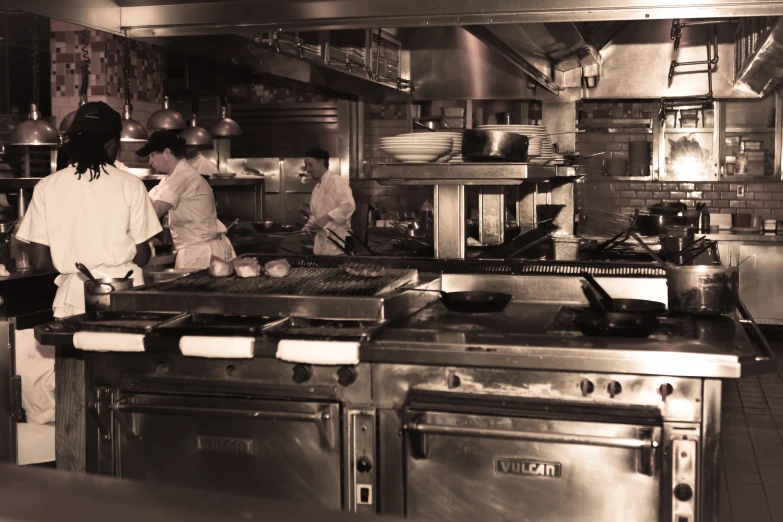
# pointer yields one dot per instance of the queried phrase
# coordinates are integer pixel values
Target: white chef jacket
(195, 229)
(120, 165)
(202, 165)
(97, 223)
(331, 196)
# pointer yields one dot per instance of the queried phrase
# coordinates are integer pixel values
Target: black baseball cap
(161, 140)
(317, 154)
(96, 118)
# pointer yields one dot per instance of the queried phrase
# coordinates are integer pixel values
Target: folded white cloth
(35, 443)
(35, 364)
(217, 347)
(327, 353)
(108, 342)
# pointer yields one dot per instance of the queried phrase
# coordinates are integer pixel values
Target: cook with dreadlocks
(91, 213)
(186, 196)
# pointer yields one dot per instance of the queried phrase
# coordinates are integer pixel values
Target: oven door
(269, 448)
(463, 468)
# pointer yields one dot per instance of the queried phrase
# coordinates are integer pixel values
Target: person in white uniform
(188, 199)
(91, 213)
(199, 163)
(331, 204)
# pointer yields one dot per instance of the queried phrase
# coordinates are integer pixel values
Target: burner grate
(594, 269)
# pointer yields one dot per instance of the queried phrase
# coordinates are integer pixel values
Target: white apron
(331, 195)
(199, 255)
(69, 299)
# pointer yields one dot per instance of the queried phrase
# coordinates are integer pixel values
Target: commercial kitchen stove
(504, 416)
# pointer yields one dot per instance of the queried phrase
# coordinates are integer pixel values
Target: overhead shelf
(467, 173)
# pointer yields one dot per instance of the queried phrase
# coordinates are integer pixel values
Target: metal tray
(61, 332)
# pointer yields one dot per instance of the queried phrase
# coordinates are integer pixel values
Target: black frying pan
(473, 302)
(616, 324)
(637, 306)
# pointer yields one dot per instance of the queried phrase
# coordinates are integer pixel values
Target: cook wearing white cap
(188, 199)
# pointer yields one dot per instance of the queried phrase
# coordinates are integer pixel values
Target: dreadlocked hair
(87, 152)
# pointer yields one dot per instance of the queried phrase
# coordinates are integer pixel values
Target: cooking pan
(668, 209)
(616, 324)
(486, 145)
(657, 224)
(600, 322)
(634, 306)
(473, 302)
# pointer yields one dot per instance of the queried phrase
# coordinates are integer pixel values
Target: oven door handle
(646, 442)
(323, 418)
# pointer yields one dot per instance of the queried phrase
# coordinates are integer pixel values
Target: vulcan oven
(507, 446)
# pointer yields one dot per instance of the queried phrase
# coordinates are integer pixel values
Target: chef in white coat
(199, 163)
(188, 199)
(331, 204)
(91, 213)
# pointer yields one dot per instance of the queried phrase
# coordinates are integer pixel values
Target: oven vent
(348, 45)
(387, 68)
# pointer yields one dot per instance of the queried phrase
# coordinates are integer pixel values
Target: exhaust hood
(758, 50)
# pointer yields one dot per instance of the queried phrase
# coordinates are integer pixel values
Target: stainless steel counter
(524, 336)
(755, 238)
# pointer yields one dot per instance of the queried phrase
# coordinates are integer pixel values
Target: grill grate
(301, 281)
(610, 269)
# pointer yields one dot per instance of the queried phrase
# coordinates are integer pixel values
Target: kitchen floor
(752, 437)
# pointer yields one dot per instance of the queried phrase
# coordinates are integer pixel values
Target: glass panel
(689, 155)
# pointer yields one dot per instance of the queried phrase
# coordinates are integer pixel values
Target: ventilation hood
(758, 47)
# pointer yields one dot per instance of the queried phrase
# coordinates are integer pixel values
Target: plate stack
(540, 145)
(419, 147)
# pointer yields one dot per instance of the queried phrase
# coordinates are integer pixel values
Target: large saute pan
(486, 145)
(472, 302)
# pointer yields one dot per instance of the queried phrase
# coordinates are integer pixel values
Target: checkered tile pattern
(106, 61)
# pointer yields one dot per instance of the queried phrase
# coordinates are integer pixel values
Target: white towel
(217, 347)
(108, 342)
(327, 353)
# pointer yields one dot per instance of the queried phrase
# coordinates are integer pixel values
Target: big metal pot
(485, 145)
(702, 289)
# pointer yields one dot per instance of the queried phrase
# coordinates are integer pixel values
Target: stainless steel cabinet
(286, 450)
(463, 468)
(761, 280)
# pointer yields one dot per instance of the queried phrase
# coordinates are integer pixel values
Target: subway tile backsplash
(765, 199)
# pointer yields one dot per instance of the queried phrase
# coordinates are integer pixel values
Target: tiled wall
(765, 199)
(274, 89)
(592, 142)
(106, 56)
(105, 81)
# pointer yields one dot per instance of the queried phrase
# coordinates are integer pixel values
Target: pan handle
(608, 303)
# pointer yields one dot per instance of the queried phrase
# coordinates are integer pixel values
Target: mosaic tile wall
(271, 89)
(106, 61)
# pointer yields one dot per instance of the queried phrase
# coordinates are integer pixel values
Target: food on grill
(277, 268)
(247, 267)
(220, 268)
(363, 270)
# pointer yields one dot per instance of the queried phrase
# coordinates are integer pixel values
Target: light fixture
(166, 118)
(225, 127)
(34, 131)
(195, 135)
(132, 131)
(84, 42)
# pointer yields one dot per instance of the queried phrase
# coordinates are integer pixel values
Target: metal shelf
(467, 173)
(750, 129)
(695, 130)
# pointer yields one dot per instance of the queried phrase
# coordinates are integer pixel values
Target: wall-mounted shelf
(750, 129)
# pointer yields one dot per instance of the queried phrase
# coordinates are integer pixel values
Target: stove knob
(683, 492)
(587, 387)
(363, 464)
(614, 388)
(665, 390)
(346, 376)
(302, 373)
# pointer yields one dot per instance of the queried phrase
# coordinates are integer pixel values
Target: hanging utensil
(84, 270)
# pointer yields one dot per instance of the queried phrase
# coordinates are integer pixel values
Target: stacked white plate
(539, 140)
(419, 147)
